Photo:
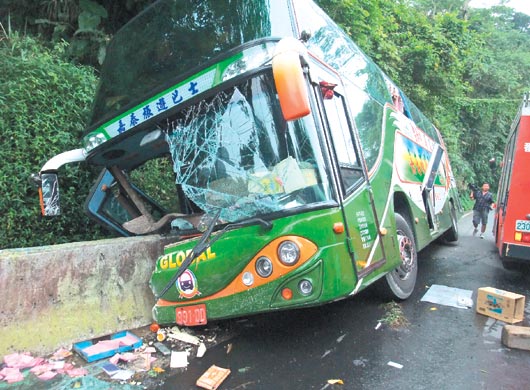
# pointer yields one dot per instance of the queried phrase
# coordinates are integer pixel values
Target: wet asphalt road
(446, 348)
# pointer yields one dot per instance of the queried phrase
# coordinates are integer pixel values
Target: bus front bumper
(289, 292)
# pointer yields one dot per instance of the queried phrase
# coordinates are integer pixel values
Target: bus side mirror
(289, 79)
(49, 194)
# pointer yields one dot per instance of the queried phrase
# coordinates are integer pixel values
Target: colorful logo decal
(187, 285)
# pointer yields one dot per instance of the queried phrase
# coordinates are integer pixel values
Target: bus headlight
(264, 267)
(289, 253)
(305, 287)
(248, 279)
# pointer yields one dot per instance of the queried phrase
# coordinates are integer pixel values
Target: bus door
(427, 186)
(357, 201)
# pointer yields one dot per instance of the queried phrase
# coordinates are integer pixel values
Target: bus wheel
(401, 281)
(451, 235)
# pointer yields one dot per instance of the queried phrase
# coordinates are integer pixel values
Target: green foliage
(465, 68)
(45, 104)
(87, 25)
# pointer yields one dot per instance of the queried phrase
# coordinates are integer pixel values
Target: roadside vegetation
(465, 68)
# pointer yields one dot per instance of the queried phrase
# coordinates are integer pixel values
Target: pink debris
(61, 354)
(67, 367)
(126, 357)
(102, 346)
(47, 375)
(21, 360)
(11, 375)
(76, 372)
(41, 369)
(128, 339)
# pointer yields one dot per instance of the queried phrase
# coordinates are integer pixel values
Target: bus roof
(173, 39)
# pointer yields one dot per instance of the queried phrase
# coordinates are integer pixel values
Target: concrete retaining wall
(56, 295)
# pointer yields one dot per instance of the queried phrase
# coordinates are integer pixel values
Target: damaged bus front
(229, 126)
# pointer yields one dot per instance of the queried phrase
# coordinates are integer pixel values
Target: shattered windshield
(235, 152)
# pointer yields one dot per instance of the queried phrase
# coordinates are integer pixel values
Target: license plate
(191, 315)
(522, 225)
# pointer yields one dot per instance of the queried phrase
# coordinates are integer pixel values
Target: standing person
(483, 201)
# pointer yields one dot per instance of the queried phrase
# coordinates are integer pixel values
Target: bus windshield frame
(231, 150)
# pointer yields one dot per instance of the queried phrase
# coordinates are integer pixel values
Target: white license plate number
(522, 225)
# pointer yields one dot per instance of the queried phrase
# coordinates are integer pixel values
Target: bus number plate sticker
(191, 315)
(522, 225)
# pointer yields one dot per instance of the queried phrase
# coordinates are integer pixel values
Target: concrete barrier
(56, 295)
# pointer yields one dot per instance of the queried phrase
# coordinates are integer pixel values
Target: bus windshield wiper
(204, 243)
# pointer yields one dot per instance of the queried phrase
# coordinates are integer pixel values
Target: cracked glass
(235, 152)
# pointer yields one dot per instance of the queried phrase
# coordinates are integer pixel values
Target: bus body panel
(512, 215)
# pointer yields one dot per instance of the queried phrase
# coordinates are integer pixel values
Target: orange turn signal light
(287, 294)
(338, 227)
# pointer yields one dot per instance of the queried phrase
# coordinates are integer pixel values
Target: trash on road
(518, 337)
(201, 350)
(501, 305)
(449, 296)
(162, 348)
(335, 381)
(394, 364)
(177, 334)
(213, 377)
(119, 342)
(179, 359)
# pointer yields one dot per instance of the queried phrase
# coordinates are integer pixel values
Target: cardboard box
(213, 377)
(501, 305)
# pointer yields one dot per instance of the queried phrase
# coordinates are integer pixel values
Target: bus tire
(399, 283)
(451, 235)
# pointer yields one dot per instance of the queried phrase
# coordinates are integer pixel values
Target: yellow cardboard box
(501, 305)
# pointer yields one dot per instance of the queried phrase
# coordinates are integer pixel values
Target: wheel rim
(406, 251)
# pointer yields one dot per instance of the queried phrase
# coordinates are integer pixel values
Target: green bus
(287, 168)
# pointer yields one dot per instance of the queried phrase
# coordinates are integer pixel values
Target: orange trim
(41, 201)
(307, 250)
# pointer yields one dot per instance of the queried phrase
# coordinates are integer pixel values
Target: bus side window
(350, 168)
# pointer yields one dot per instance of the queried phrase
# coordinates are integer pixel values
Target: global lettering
(175, 259)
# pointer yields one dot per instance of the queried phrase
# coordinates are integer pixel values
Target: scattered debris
(378, 325)
(448, 296)
(501, 305)
(177, 334)
(213, 377)
(465, 302)
(360, 362)
(228, 348)
(335, 381)
(326, 353)
(201, 350)
(341, 337)
(394, 364)
(179, 359)
(394, 316)
(162, 348)
(516, 337)
(143, 365)
(119, 342)
(154, 327)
